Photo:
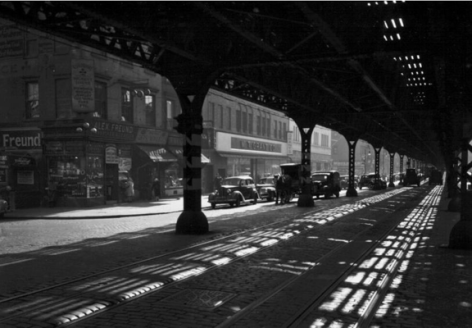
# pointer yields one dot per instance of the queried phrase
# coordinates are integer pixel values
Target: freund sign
(20, 139)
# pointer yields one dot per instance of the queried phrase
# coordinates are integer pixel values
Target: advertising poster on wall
(83, 92)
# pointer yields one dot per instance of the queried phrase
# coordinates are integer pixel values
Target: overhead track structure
(382, 70)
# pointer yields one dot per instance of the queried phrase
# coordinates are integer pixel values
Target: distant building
(320, 147)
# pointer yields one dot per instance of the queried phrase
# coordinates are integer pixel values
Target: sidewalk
(136, 208)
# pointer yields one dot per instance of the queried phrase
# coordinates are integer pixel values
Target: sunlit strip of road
(356, 300)
(150, 278)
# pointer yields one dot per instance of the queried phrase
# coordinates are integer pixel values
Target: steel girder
(326, 57)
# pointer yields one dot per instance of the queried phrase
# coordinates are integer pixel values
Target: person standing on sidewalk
(156, 186)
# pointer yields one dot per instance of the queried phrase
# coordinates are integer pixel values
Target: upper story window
(32, 100)
(315, 138)
(127, 110)
(324, 140)
(268, 127)
(100, 100)
(150, 110)
(170, 114)
(250, 123)
(238, 120)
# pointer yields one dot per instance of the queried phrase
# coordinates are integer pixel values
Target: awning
(158, 154)
(178, 152)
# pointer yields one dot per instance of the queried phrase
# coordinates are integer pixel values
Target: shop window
(150, 110)
(127, 110)
(32, 100)
(100, 100)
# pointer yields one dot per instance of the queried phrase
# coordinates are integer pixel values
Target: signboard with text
(83, 91)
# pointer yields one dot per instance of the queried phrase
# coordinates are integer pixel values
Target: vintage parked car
(266, 188)
(411, 178)
(234, 191)
(369, 181)
(436, 177)
(327, 184)
(344, 181)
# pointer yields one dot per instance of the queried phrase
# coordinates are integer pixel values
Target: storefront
(249, 156)
(20, 166)
(84, 158)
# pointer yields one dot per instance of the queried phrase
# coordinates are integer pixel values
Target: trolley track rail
(281, 231)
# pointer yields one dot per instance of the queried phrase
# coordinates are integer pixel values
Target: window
(100, 100)
(228, 119)
(284, 131)
(32, 100)
(268, 127)
(275, 129)
(238, 120)
(315, 138)
(250, 123)
(280, 130)
(324, 140)
(258, 125)
(127, 110)
(170, 115)
(211, 112)
(220, 111)
(263, 129)
(150, 110)
(244, 122)
(63, 99)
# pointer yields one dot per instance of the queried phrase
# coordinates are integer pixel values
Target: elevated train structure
(394, 73)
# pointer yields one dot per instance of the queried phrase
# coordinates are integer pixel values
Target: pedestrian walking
(217, 182)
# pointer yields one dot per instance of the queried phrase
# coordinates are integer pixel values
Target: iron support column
(377, 168)
(351, 190)
(401, 169)
(306, 198)
(392, 159)
(461, 233)
(454, 192)
(192, 220)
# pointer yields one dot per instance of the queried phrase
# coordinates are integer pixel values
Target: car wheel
(237, 202)
(270, 197)
(213, 205)
(255, 199)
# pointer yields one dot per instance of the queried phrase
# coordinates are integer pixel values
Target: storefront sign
(247, 144)
(111, 154)
(115, 130)
(74, 148)
(54, 147)
(11, 41)
(25, 177)
(83, 92)
(20, 139)
(23, 161)
(151, 136)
